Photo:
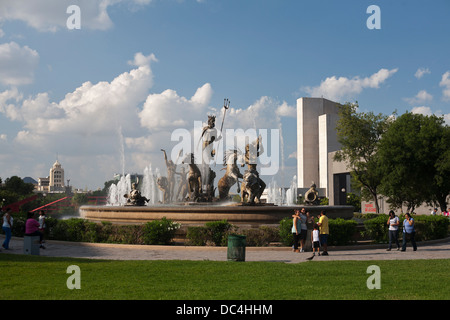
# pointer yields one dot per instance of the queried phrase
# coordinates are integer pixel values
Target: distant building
(55, 181)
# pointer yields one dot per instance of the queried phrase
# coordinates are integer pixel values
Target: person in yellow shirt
(324, 231)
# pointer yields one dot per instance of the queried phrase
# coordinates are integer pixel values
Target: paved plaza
(426, 250)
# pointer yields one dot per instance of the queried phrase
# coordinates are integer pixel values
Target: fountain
(191, 200)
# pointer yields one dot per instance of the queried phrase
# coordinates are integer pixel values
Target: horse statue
(232, 174)
(194, 177)
(252, 185)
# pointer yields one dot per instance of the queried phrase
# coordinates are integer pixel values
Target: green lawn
(34, 277)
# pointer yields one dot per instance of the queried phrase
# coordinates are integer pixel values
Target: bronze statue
(183, 186)
(209, 136)
(232, 174)
(134, 198)
(194, 178)
(252, 185)
(163, 185)
(312, 195)
(171, 167)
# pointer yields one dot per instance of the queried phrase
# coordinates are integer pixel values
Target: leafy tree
(441, 186)
(14, 189)
(359, 135)
(16, 185)
(412, 158)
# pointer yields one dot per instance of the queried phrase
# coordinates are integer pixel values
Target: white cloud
(284, 110)
(50, 15)
(167, 110)
(334, 88)
(445, 82)
(82, 127)
(92, 109)
(428, 112)
(421, 72)
(422, 110)
(421, 97)
(17, 64)
(263, 113)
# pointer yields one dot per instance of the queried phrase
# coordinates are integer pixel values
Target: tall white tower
(316, 137)
(56, 177)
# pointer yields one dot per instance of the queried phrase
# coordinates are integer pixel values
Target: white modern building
(316, 138)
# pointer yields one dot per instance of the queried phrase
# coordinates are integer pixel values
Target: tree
(413, 161)
(359, 135)
(14, 189)
(441, 186)
(16, 184)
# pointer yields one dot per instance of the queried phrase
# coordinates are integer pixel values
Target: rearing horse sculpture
(231, 175)
(194, 177)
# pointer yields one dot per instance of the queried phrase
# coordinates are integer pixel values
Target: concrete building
(316, 137)
(55, 181)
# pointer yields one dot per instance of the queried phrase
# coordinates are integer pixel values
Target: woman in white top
(7, 227)
(42, 223)
(393, 223)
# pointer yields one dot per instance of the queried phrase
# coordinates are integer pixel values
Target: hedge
(214, 233)
(159, 232)
(341, 231)
(427, 227)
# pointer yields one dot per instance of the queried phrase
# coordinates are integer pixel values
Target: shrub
(214, 232)
(341, 231)
(218, 231)
(430, 227)
(68, 230)
(427, 228)
(377, 228)
(285, 231)
(159, 232)
(261, 237)
(197, 236)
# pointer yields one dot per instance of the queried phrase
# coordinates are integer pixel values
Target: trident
(226, 105)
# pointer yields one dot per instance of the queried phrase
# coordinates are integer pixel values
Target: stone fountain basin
(200, 213)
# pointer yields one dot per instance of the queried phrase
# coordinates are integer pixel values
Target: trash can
(31, 245)
(236, 247)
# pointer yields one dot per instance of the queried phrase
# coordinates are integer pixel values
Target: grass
(44, 278)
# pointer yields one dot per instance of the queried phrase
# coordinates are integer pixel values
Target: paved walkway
(426, 250)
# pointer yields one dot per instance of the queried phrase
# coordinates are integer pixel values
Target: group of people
(33, 227)
(445, 212)
(409, 231)
(319, 235)
(320, 232)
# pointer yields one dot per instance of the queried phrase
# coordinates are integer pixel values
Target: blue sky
(149, 67)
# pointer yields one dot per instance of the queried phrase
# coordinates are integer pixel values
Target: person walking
(393, 223)
(409, 232)
(296, 229)
(323, 232)
(7, 227)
